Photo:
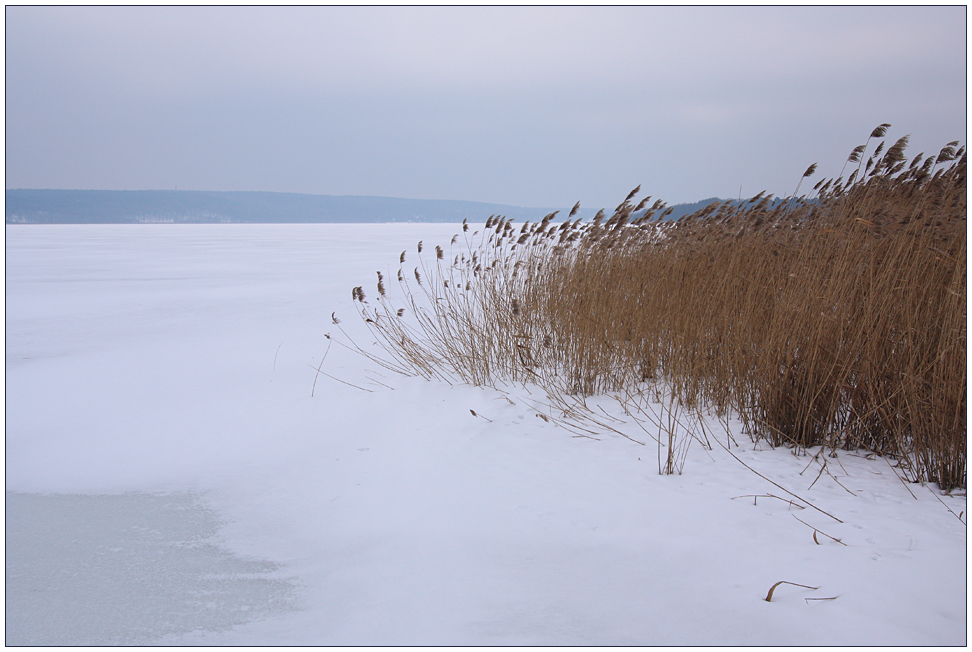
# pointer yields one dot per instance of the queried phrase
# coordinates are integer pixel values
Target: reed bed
(834, 319)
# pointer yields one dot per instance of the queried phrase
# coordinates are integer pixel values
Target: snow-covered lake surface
(171, 480)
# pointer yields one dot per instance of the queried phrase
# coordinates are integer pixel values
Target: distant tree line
(28, 206)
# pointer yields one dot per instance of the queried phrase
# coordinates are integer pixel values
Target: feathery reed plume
(895, 153)
(809, 172)
(947, 153)
(879, 131)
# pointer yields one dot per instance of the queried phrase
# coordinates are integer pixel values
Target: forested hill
(25, 206)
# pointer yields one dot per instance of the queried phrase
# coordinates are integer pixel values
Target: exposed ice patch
(127, 570)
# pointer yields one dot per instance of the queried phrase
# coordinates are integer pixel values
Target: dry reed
(836, 319)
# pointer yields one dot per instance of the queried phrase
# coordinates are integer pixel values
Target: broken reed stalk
(837, 320)
(769, 596)
(815, 531)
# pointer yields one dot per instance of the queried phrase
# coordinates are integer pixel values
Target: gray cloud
(530, 106)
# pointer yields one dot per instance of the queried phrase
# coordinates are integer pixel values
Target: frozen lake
(171, 480)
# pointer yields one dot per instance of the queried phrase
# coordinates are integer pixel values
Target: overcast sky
(526, 106)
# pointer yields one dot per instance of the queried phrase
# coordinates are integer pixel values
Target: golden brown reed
(836, 319)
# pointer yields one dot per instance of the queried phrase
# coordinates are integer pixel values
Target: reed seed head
(880, 130)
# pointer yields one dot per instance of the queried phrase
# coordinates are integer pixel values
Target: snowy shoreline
(178, 360)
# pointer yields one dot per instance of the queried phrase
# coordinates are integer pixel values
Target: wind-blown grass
(836, 319)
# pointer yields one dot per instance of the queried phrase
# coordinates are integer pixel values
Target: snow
(161, 438)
